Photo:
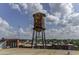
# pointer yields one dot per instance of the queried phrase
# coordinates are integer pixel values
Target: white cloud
(7, 31)
(61, 14)
(63, 9)
(67, 25)
(3, 23)
(74, 19)
(52, 18)
(15, 6)
(28, 7)
(4, 28)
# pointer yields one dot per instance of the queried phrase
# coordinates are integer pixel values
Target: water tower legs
(35, 39)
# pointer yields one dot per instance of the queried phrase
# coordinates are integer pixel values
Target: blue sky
(61, 19)
(13, 17)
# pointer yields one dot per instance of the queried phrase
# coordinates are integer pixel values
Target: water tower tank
(39, 21)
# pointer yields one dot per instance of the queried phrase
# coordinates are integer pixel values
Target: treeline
(65, 41)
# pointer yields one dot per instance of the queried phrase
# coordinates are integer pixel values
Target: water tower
(39, 29)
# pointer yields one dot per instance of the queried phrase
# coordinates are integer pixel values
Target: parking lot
(32, 51)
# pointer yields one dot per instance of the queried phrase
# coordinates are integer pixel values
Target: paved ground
(31, 51)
